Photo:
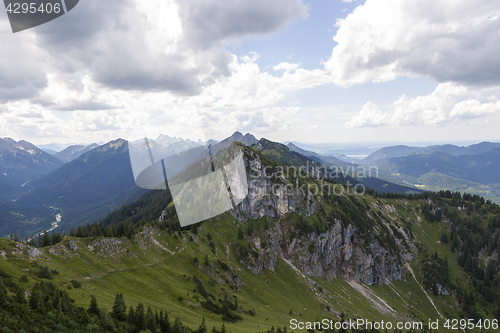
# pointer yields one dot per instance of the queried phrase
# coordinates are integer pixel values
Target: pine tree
(164, 322)
(3, 298)
(20, 299)
(34, 300)
(131, 316)
(131, 230)
(177, 326)
(79, 232)
(119, 308)
(45, 239)
(86, 231)
(203, 327)
(139, 317)
(96, 230)
(93, 308)
(150, 323)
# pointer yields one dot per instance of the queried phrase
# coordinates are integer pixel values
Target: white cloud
(383, 39)
(472, 108)
(448, 103)
(121, 62)
(313, 127)
(369, 116)
(177, 46)
(245, 100)
(286, 66)
(454, 44)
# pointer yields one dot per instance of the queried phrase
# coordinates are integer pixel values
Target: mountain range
(278, 258)
(20, 163)
(471, 169)
(73, 152)
(98, 179)
(95, 181)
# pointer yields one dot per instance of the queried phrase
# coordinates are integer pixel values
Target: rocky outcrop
(339, 252)
(269, 191)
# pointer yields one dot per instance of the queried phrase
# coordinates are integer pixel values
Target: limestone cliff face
(269, 192)
(337, 252)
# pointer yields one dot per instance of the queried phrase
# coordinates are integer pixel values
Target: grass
(156, 269)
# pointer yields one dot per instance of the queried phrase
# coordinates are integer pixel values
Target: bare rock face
(337, 252)
(270, 194)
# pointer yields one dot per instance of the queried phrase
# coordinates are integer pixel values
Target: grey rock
(72, 245)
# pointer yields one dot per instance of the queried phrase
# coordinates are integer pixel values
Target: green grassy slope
(156, 267)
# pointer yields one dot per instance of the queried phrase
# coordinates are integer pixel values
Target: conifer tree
(96, 230)
(150, 323)
(164, 322)
(3, 298)
(139, 317)
(203, 327)
(45, 239)
(119, 308)
(131, 316)
(33, 301)
(177, 326)
(93, 308)
(86, 231)
(20, 299)
(79, 232)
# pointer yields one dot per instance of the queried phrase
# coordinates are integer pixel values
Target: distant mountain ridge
(88, 187)
(452, 150)
(73, 152)
(247, 139)
(95, 181)
(472, 169)
(482, 168)
(22, 162)
(330, 159)
(344, 170)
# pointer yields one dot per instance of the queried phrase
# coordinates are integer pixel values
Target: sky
(288, 70)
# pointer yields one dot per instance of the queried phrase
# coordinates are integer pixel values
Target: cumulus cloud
(472, 108)
(449, 102)
(177, 46)
(454, 44)
(369, 116)
(246, 100)
(113, 64)
(209, 22)
(383, 39)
